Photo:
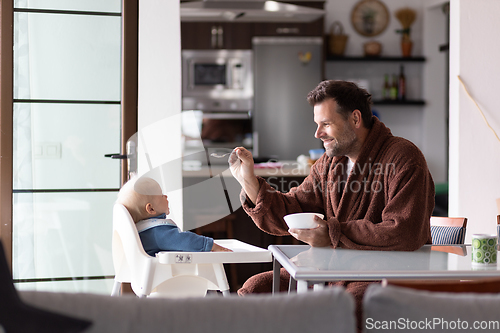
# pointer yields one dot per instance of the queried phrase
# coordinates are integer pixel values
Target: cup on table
(484, 249)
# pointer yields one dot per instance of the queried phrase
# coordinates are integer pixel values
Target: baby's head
(143, 198)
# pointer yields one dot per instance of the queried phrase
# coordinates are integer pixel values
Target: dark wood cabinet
(196, 35)
(216, 35)
(238, 35)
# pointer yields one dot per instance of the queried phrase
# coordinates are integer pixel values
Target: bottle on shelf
(401, 84)
(394, 88)
(386, 89)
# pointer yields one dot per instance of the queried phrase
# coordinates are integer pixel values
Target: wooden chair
(458, 249)
(448, 230)
(470, 286)
(498, 230)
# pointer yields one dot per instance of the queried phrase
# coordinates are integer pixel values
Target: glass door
(66, 117)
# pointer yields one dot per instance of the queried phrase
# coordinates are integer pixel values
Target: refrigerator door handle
(220, 37)
(214, 37)
(287, 31)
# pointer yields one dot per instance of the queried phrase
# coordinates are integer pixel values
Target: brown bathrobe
(385, 203)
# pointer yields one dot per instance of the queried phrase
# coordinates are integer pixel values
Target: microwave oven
(217, 80)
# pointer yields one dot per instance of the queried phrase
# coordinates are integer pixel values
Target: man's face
(339, 139)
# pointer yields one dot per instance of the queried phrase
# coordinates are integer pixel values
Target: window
(66, 117)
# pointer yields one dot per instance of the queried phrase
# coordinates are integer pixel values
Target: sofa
(385, 309)
(400, 309)
(329, 311)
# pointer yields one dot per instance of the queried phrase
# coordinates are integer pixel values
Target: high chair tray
(242, 253)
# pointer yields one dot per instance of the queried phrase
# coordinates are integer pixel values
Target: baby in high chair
(148, 207)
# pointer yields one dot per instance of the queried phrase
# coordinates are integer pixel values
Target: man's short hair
(348, 97)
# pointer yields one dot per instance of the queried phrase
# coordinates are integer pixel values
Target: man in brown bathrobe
(374, 189)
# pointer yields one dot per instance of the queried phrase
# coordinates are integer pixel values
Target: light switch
(47, 150)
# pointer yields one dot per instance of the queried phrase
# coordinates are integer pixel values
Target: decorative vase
(406, 46)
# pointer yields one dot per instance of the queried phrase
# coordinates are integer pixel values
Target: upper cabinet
(216, 35)
(238, 35)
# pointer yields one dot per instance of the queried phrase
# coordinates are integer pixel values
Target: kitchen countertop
(269, 169)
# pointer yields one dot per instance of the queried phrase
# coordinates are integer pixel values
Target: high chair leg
(220, 274)
(117, 288)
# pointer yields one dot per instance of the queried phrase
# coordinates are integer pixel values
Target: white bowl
(301, 220)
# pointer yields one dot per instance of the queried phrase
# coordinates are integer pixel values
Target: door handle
(116, 156)
(287, 31)
(214, 37)
(220, 37)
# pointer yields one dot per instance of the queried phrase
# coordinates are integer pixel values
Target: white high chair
(148, 276)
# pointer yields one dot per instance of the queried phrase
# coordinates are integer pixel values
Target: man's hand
(316, 237)
(241, 165)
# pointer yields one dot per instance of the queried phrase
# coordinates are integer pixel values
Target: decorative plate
(370, 17)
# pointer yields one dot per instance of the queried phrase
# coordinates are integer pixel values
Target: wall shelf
(380, 59)
(386, 59)
(405, 102)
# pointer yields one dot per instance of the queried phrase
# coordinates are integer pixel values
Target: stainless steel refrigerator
(286, 69)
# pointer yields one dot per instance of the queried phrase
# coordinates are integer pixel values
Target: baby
(148, 207)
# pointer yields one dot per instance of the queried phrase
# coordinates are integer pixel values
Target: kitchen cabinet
(238, 35)
(216, 35)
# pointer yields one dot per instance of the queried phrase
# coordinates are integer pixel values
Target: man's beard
(344, 144)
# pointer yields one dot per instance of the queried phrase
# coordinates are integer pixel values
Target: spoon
(220, 154)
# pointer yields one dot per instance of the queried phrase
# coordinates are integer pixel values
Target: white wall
(159, 104)
(474, 150)
(434, 127)
(340, 10)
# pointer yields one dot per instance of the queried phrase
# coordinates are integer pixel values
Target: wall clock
(370, 17)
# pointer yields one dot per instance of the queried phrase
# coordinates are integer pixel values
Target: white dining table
(317, 265)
